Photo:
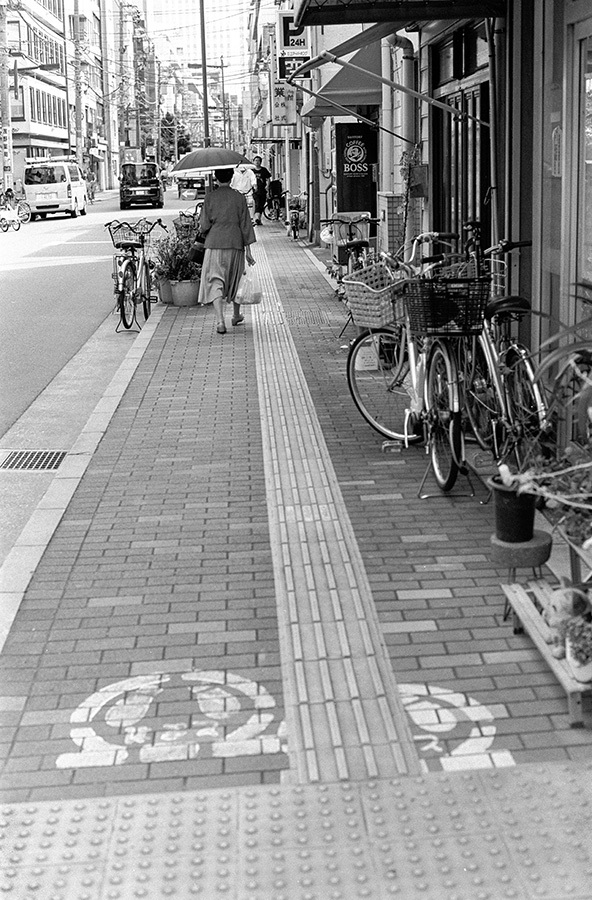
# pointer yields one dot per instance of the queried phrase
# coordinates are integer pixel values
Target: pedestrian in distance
(228, 230)
(244, 181)
(260, 194)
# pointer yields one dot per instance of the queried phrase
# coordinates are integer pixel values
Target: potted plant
(174, 270)
(555, 469)
(578, 647)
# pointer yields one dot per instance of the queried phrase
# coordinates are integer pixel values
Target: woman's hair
(223, 175)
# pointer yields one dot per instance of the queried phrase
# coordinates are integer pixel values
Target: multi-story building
(38, 105)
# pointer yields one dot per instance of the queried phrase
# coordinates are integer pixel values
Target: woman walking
(226, 224)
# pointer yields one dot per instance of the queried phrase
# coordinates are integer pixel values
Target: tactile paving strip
(523, 834)
(329, 630)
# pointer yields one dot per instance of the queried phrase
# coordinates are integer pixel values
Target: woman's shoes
(221, 328)
(236, 320)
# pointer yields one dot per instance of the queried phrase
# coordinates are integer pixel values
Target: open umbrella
(206, 159)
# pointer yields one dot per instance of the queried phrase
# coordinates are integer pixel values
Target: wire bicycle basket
(187, 225)
(447, 306)
(371, 296)
(134, 232)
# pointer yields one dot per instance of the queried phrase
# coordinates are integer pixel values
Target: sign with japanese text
(292, 45)
(283, 106)
(291, 41)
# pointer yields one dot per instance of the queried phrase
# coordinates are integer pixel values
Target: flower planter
(514, 512)
(582, 672)
(185, 293)
(165, 291)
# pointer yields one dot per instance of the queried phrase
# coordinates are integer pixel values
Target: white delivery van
(54, 184)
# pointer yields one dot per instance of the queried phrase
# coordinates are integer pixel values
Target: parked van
(54, 184)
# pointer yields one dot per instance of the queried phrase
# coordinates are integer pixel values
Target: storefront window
(584, 262)
(552, 148)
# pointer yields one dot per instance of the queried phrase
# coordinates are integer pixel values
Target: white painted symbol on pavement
(451, 726)
(167, 717)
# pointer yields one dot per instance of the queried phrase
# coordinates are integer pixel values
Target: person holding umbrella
(228, 230)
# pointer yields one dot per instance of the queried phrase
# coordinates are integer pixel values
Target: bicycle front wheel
(23, 211)
(145, 288)
(126, 297)
(380, 383)
(444, 418)
(482, 401)
(526, 405)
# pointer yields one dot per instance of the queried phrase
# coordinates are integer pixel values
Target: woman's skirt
(221, 273)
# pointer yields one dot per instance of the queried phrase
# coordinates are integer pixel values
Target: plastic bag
(249, 290)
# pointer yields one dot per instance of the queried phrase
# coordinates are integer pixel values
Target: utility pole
(204, 73)
(6, 131)
(77, 83)
(223, 101)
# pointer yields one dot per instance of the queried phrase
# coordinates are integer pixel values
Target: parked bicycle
(132, 268)
(274, 208)
(505, 405)
(441, 362)
(297, 213)
(403, 375)
(350, 239)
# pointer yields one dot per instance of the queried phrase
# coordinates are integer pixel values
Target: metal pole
(77, 83)
(204, 72)
(223, 100)
(6, 131)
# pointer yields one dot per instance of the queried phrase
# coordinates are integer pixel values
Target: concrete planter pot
(185, 293)
(165, 291)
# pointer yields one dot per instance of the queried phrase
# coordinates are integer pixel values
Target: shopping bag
(249, 290)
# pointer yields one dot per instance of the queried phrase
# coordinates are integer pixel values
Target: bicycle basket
(129, 231)
(447, 306)
(370, 295)
(187, 225)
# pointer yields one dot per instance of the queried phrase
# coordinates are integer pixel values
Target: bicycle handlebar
(506, 246)
(335, 220)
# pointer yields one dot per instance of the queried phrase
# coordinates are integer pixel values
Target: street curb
(22, 560)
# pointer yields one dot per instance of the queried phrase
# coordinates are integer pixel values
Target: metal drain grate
(33, 459)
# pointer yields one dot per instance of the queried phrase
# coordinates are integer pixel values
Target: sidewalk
(250, 663)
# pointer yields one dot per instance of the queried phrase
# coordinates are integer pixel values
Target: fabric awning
(349, 12)
(362, 39)
(348, 88)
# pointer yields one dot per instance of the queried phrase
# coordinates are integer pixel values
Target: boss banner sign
(356, 148)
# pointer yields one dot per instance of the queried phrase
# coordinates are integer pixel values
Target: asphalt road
(55, 291)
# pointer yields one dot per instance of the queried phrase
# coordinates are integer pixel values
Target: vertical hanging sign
(292, 43)
(283, 105)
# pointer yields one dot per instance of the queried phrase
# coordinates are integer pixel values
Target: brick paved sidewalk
(159, 582)
(162, 648)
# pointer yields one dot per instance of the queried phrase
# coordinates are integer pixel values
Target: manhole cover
(33, 459)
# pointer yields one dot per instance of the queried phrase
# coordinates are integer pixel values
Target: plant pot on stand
(516, 543)
(514, 512)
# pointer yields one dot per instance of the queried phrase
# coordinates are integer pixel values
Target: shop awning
(369, 36)
(348, 12)
(348, 88)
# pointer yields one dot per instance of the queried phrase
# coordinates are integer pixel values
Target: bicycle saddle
(127, 245)
(355, 245)
(506, 306)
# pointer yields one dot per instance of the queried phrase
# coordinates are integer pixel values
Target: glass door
(582, 159)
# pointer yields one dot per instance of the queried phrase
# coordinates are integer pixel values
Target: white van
(54, 184)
